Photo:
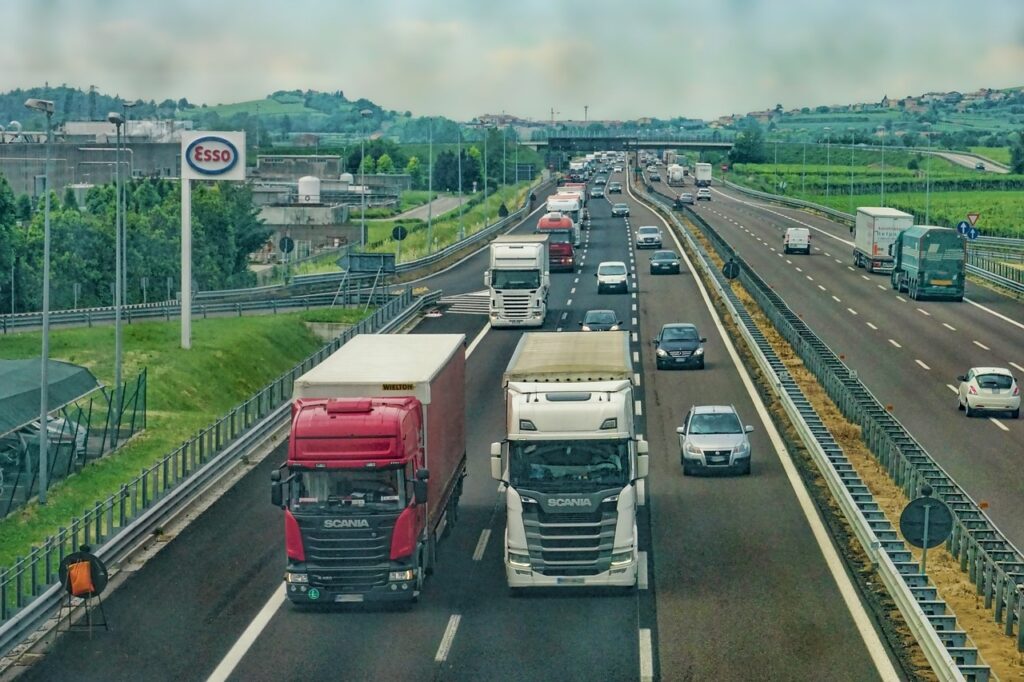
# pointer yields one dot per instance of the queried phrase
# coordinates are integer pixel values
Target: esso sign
(211, 155)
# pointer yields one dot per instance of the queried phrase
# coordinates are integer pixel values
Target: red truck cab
(561, 236)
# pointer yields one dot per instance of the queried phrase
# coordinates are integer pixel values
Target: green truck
(928, 262)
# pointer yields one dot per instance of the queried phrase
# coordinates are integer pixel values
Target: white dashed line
(572, 291)
(839, 261)
(636, 357)
(638, 408)
(636, 339)
(636, 378)
(641, 570)
(880, 287)
(952, 388)
(852, 311)
(980, 345)
(822, 288)
(998, 423)
(949, 327)
(565, 315)
(922, 364)
(569, 302)
(900, 299)
(1017, 366)
(872, 326)
(836, 298)
(895, 343)
(924, 312)
(809, 278)
(646, 656)
(448, 638)
(481, 544)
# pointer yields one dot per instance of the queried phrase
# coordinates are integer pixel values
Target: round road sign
(731, 270)
(287, 244)
(399, 233)
(962, 227)
(940, 522)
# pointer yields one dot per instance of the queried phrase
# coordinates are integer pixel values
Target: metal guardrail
(978, 250)
(926, 615)
(29, 591)
(993, 564)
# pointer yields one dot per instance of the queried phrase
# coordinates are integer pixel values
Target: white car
(648, 237)
(704, 193)
(612, 275)
(988, 389)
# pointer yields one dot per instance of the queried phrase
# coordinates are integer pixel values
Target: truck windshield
(376, 488)
(558, 236)
(515, 279)
(564, 464)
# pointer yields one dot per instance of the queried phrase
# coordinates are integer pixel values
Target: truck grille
(517, 306)
(571, 544)
(348, 559)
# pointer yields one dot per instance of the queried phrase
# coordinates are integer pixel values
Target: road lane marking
(634, 322)
(949, 327)
(980, 345)
(789, 262)
(646, 656)
(641, 570)
(1002, 317)
(565, 315)
(448, 638)
(248, 638)
(638, 408)
(836, 298)
(866, 278)
(558, 329)
(569, 302)
(828, 254)
(850, 268)
(478, 339)
(809, 278)
(924, 312)
(481, 544)
(636, 379)
(852, 311)
(572, 291)
(1012, 363)
(895, 343)
(636, 357)
(636, 338)
(921, 363)
(998, 423)
(576, 281)
(872, 326)
(952, 388)
(880, 287)
(900, 298)
(634, 307)
(822, 288)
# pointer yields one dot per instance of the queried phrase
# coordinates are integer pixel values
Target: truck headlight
(296, 578)
(519, 560)
(396, 576)
(622, 558)
(662, 353)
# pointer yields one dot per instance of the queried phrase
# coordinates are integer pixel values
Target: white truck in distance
(702, 174)
(518, 279)
(574, 465)
(571, 206)
(676, 175)
(874, 233)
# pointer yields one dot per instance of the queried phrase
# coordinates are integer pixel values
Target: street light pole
(430, 187)
(882, 128)
(461, 228)
(828, 156)
(118, 121)
(803, 172)
(852, 141)
(504, 158)
(45, 106)
(362, 182)
(928, 178)
(126, 108)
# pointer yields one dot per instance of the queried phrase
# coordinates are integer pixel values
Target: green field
(997, 154)
(231, 359)
(268, 107)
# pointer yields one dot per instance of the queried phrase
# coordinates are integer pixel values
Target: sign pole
(924, 550)
(186, 263)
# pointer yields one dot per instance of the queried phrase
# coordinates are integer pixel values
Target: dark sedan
(601, 321)
(664, 262)
(679, 345)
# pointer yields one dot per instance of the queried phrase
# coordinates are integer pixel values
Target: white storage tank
(309, 190)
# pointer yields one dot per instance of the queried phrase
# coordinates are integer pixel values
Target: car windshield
(612, 269)
(664, 255)
(998, 381)
(600, 317)
(515, 279)
(556, 464)
(712, 423)
(648, 230)
(620, 207)
(679, 334)
(376, 488)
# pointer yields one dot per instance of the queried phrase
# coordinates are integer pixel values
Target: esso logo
(211, 155)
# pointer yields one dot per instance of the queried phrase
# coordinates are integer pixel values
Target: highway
(908, 353)
(741, 579)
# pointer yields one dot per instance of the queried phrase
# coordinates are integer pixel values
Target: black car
(664, 262)
(601, 321)
(614, 188)
(679, 345)
(620, 210)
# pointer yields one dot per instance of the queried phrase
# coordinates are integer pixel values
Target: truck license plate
(942, 282)
(348, 598)
(570, 581)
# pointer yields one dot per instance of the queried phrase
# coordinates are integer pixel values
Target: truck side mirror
(419, 490)
(276, 498)
(496, 461)
(642, 465)
(487, 278)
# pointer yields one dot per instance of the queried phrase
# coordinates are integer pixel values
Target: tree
(749, 146)
(23, 207)
(368, 166)
(385, 165)
(70, 201)
(415, 170)
(1017, 155)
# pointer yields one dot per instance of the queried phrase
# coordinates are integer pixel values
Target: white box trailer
(875, 231)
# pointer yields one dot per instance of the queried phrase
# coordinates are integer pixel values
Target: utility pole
(586, 113)
(430, 187)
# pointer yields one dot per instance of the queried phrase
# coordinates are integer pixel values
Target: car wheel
(969, 410)
(959, 405)
(701, 365)
(1016, 413)
(687, 471)
(745, 471)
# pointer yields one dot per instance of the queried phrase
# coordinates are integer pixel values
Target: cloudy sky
(625, 59)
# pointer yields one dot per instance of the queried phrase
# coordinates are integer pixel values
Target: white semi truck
(676, 175)
(519, 280)
(702, 174)
(574, 465)
(875, 231)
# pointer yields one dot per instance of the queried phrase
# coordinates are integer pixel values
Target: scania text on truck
(561, 237)
(573, 468)
(376, 458)
(875, 230)
(702, 174)
(518, 279)
(928, 262)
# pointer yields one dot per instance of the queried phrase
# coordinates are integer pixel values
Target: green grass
(414, 198)
(231, 359)
(997, 154)
(268, 107)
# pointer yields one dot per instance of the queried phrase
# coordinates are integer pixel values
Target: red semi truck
(561, 236)
(376, 459)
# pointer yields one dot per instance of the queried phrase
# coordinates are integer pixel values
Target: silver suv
(712, 438)
(648, 237)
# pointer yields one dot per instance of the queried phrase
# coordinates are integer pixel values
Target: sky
(460, 59)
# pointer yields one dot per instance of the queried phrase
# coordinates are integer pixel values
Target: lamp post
(776, 163)
(803, 171)
(504, 158)
(118, 121)
(828, 157)
(928, 176)
(126, 108)
(365, 113)
(430, 187)
(45, 106)
(882, 130)
(853, 139)
(461, 228)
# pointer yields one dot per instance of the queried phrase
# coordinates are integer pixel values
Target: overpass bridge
(592, 143)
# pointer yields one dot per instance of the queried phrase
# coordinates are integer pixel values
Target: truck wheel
(430, 555)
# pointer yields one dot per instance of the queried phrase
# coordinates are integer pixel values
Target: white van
(797, 239)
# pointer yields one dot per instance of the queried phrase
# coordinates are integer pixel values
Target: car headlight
(741, 449)
(622, 558)
(662, 353)
(395, 576)
(675, 262)
(586, 328)
(699, 351)
(519, 559)
(692, 449)
(614, 328)
(296, 578)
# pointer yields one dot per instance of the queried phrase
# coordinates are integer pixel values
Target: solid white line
(837, 568)
(998, 423)
(924, 312)
(481, 544)
(248, 638)
(478, 339)
(852, 311)
(646, 656)
(922, 364)
(980, 345)
(895, 343)
(638, 408)
(1017, 366)
(641, 570)
(871, 325)
(836, 298)
(1002, 317)
(949, 327)
(449, 636)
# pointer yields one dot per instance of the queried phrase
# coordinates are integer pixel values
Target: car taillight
(1016, 389)
(972, 390)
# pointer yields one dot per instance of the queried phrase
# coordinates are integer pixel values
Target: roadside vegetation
(231, 359)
